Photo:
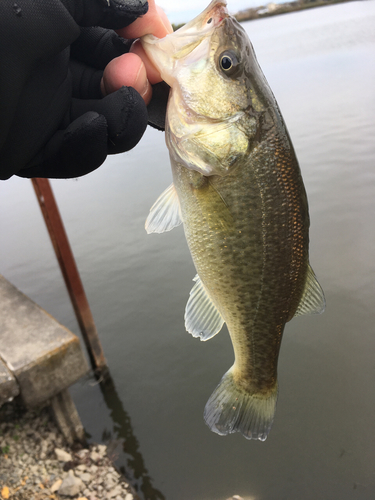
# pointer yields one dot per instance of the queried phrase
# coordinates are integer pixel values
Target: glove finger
(85, 81)
(75, 151)
(114, 14)
(126, 115)
(96, 47)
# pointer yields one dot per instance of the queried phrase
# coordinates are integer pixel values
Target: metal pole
(70, 272)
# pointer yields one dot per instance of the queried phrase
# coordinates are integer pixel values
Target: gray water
(320, 64)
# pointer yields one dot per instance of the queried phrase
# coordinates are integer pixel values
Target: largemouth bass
(238, 190)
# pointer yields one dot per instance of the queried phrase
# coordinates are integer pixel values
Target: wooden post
(70, 272)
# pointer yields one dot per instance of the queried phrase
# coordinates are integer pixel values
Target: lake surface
(320, 64)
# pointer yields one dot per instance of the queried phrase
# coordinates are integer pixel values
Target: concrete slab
(67, 417)
(43, 355)
(8, 386)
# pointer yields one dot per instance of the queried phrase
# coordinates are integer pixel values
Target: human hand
(134, 69)
(54, 121)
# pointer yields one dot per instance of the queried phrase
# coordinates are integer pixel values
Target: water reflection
(131, 462)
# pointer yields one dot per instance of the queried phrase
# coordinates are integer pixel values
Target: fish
(238, 190)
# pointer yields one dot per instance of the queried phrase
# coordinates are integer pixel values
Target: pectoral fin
(202, 319)
(312, 300)
(165, 212)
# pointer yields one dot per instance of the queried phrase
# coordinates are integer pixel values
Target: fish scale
(229, 263)
(238, 190)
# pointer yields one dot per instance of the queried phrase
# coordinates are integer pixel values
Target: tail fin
(232, 409)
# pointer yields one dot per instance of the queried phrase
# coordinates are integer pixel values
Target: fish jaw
(166, 53)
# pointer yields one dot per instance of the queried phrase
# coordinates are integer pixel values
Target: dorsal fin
(312, 300)
(202, 319)
(165, 212)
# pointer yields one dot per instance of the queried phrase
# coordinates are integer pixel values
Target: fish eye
(228, 62)
(209, 21)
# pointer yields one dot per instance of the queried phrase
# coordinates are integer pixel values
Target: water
(321, 66)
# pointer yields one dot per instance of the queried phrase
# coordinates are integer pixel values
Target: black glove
(53, 120)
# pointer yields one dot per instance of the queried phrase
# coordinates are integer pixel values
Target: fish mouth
(166, 52)
(212, 15)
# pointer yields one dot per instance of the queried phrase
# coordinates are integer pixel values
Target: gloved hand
(54, 120)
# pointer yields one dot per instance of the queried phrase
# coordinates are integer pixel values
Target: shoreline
(36, 462)
(279, 9)
(276, 9)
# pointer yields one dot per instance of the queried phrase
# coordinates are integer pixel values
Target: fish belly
(248, 236)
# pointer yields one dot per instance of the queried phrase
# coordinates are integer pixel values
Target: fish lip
(221, 9)
(164, 52)
(217, 10)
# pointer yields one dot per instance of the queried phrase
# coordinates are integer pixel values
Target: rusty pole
(70, 272)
